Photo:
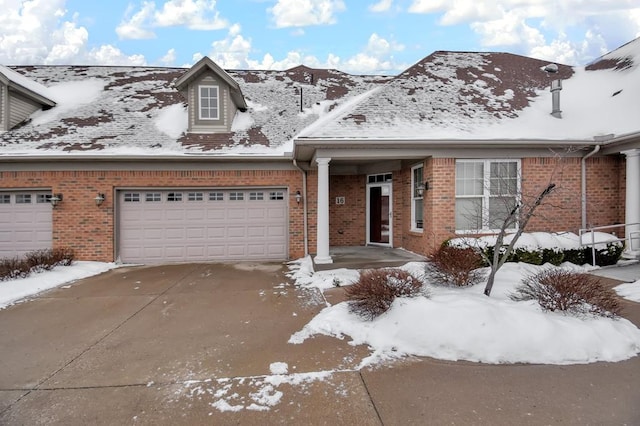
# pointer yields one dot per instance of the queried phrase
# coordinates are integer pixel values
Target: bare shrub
(454, 266)
(63, 256)
(570, 292)
(13, 267)
(35, 261)
(40, 260)
(376, 290)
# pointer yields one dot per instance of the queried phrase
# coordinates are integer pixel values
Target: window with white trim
(209, 102)
(417, 188)
(486, 192)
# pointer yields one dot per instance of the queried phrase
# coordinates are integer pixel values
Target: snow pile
(301, 271)
(172, 120)
(630, 291)
(463, 324)
(535, 240)
(14, 290)
(69, 96)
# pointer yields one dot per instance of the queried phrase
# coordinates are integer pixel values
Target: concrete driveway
(198, 344)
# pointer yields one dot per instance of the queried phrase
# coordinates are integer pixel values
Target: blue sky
(358, 36)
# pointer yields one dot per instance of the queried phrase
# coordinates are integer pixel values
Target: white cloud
(108, 54)
(539, 27)
(302, 13)
(33, 31)
(133, 28)
(377, 57)
(381, 6)
(193, 14)
(169, 58)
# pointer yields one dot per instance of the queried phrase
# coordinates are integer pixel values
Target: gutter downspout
(584, 184)
(304, 208)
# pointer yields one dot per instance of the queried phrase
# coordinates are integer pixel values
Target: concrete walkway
(188, 344)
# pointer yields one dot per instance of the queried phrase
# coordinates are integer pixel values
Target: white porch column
(322, 232)
(632, 203)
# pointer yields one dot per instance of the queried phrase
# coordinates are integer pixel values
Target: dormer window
(209, 101)
(212, 96)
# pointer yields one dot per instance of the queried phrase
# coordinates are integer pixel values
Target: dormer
(19, 98)
(213, 97)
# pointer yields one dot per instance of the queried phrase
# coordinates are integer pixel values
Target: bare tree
(519, 217)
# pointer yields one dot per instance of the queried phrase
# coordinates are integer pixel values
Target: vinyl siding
(20, 109)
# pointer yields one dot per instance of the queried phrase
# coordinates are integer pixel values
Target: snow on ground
(259, 393)
(463, 324)
(14, 290)
(630, 291)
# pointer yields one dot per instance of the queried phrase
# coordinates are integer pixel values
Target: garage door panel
(222, 225)
(276, 231)
(24, 227)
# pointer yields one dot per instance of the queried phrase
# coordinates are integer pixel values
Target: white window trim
(209, 86)
(485, 196)
(414, 228)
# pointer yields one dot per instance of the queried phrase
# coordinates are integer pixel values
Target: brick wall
(89, 229)
(347, 222)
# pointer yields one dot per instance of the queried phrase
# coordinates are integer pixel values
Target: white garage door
(202, 225)
(25, 222)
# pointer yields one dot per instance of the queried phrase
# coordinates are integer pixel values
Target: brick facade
(560, 212)
(90, 230)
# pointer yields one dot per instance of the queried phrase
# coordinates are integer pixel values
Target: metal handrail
(632, 235)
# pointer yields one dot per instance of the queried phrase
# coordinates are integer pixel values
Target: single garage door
(202, 225)
(25, 222)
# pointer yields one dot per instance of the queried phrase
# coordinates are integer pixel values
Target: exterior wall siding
(90, 230)
(19, 109)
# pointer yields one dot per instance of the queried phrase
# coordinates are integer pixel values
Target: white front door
(379, 214)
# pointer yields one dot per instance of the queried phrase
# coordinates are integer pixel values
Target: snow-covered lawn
(463, 324)
(14, 290)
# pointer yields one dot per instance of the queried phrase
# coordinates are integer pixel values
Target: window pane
(236, 196)
(469, 178)
(504, 179)
(274, 196)
(216, 196)
(174, 196)
(23, 198)
(468, 213)
(499, 210)
(418, 182)
(131, 197)
(417, 205)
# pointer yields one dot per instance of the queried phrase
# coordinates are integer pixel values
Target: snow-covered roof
(445, 96)
(26, 86)
(495, 96)
(138, 110)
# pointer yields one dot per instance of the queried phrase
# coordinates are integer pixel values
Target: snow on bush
(543, 247)
(376, 290)
(569, 292)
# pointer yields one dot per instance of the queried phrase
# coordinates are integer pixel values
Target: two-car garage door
(202, 225)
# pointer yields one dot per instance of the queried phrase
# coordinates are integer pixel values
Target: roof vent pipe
(556, 87)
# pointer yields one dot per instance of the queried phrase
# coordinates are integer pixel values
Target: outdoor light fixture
(55, 199)
(421, 188)
(99, 199)
(298, 197)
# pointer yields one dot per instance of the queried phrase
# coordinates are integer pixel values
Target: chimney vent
(556, 87)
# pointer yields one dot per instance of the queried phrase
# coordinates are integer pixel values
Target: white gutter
(304, 207)
(584, 184)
